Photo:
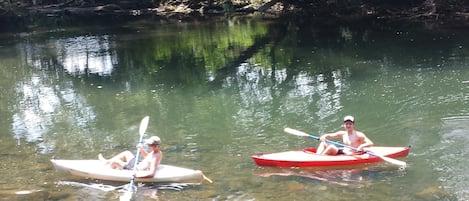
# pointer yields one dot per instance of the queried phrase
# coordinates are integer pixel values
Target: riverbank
(23, 14)
(138, 9)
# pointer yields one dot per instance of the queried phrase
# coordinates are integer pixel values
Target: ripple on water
(452, 167)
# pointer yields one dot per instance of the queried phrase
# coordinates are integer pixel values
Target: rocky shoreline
(272, 9)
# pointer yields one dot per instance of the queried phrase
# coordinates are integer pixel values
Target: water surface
(219, 92)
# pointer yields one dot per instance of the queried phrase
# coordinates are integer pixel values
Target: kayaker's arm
(327, 136)
(153, 167)
(366, 142)
(142, 150)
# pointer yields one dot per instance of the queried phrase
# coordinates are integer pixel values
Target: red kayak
(308, 157)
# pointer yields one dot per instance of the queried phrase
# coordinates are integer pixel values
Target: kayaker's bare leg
(327, 149)
(118, 161)
(101, 158)
(322, 146)
(105, 162)
(331, 150)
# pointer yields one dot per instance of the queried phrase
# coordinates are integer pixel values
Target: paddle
(387, 159)
(143, 127)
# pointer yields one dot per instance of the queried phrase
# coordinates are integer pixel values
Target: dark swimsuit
(129, 165)
(340, 151)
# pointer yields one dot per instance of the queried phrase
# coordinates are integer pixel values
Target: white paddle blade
(390, 160)
(143, 125)
(394, 161)
(127, 196)
(296, 132)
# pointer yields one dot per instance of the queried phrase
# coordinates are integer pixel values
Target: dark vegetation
(443, 12)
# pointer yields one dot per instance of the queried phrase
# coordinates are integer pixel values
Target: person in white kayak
(126, 159)
(349, 137)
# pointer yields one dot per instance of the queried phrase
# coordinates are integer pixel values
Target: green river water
(219, 92)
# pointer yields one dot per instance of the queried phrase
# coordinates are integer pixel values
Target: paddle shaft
(346, 146)
(335, 143)
(142, 129)
(301, 133)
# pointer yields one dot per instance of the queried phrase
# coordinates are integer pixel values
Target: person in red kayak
(350, 137)
(126, 159)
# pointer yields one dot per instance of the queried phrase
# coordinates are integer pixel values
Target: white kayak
(96, 170)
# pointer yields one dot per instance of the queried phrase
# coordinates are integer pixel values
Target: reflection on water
(335, 178)
(97, 190)
(351, 177)
(39, 106)
(43, 99)
(36, 106)
(266, 89)
(77, 55)
(86, 54)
